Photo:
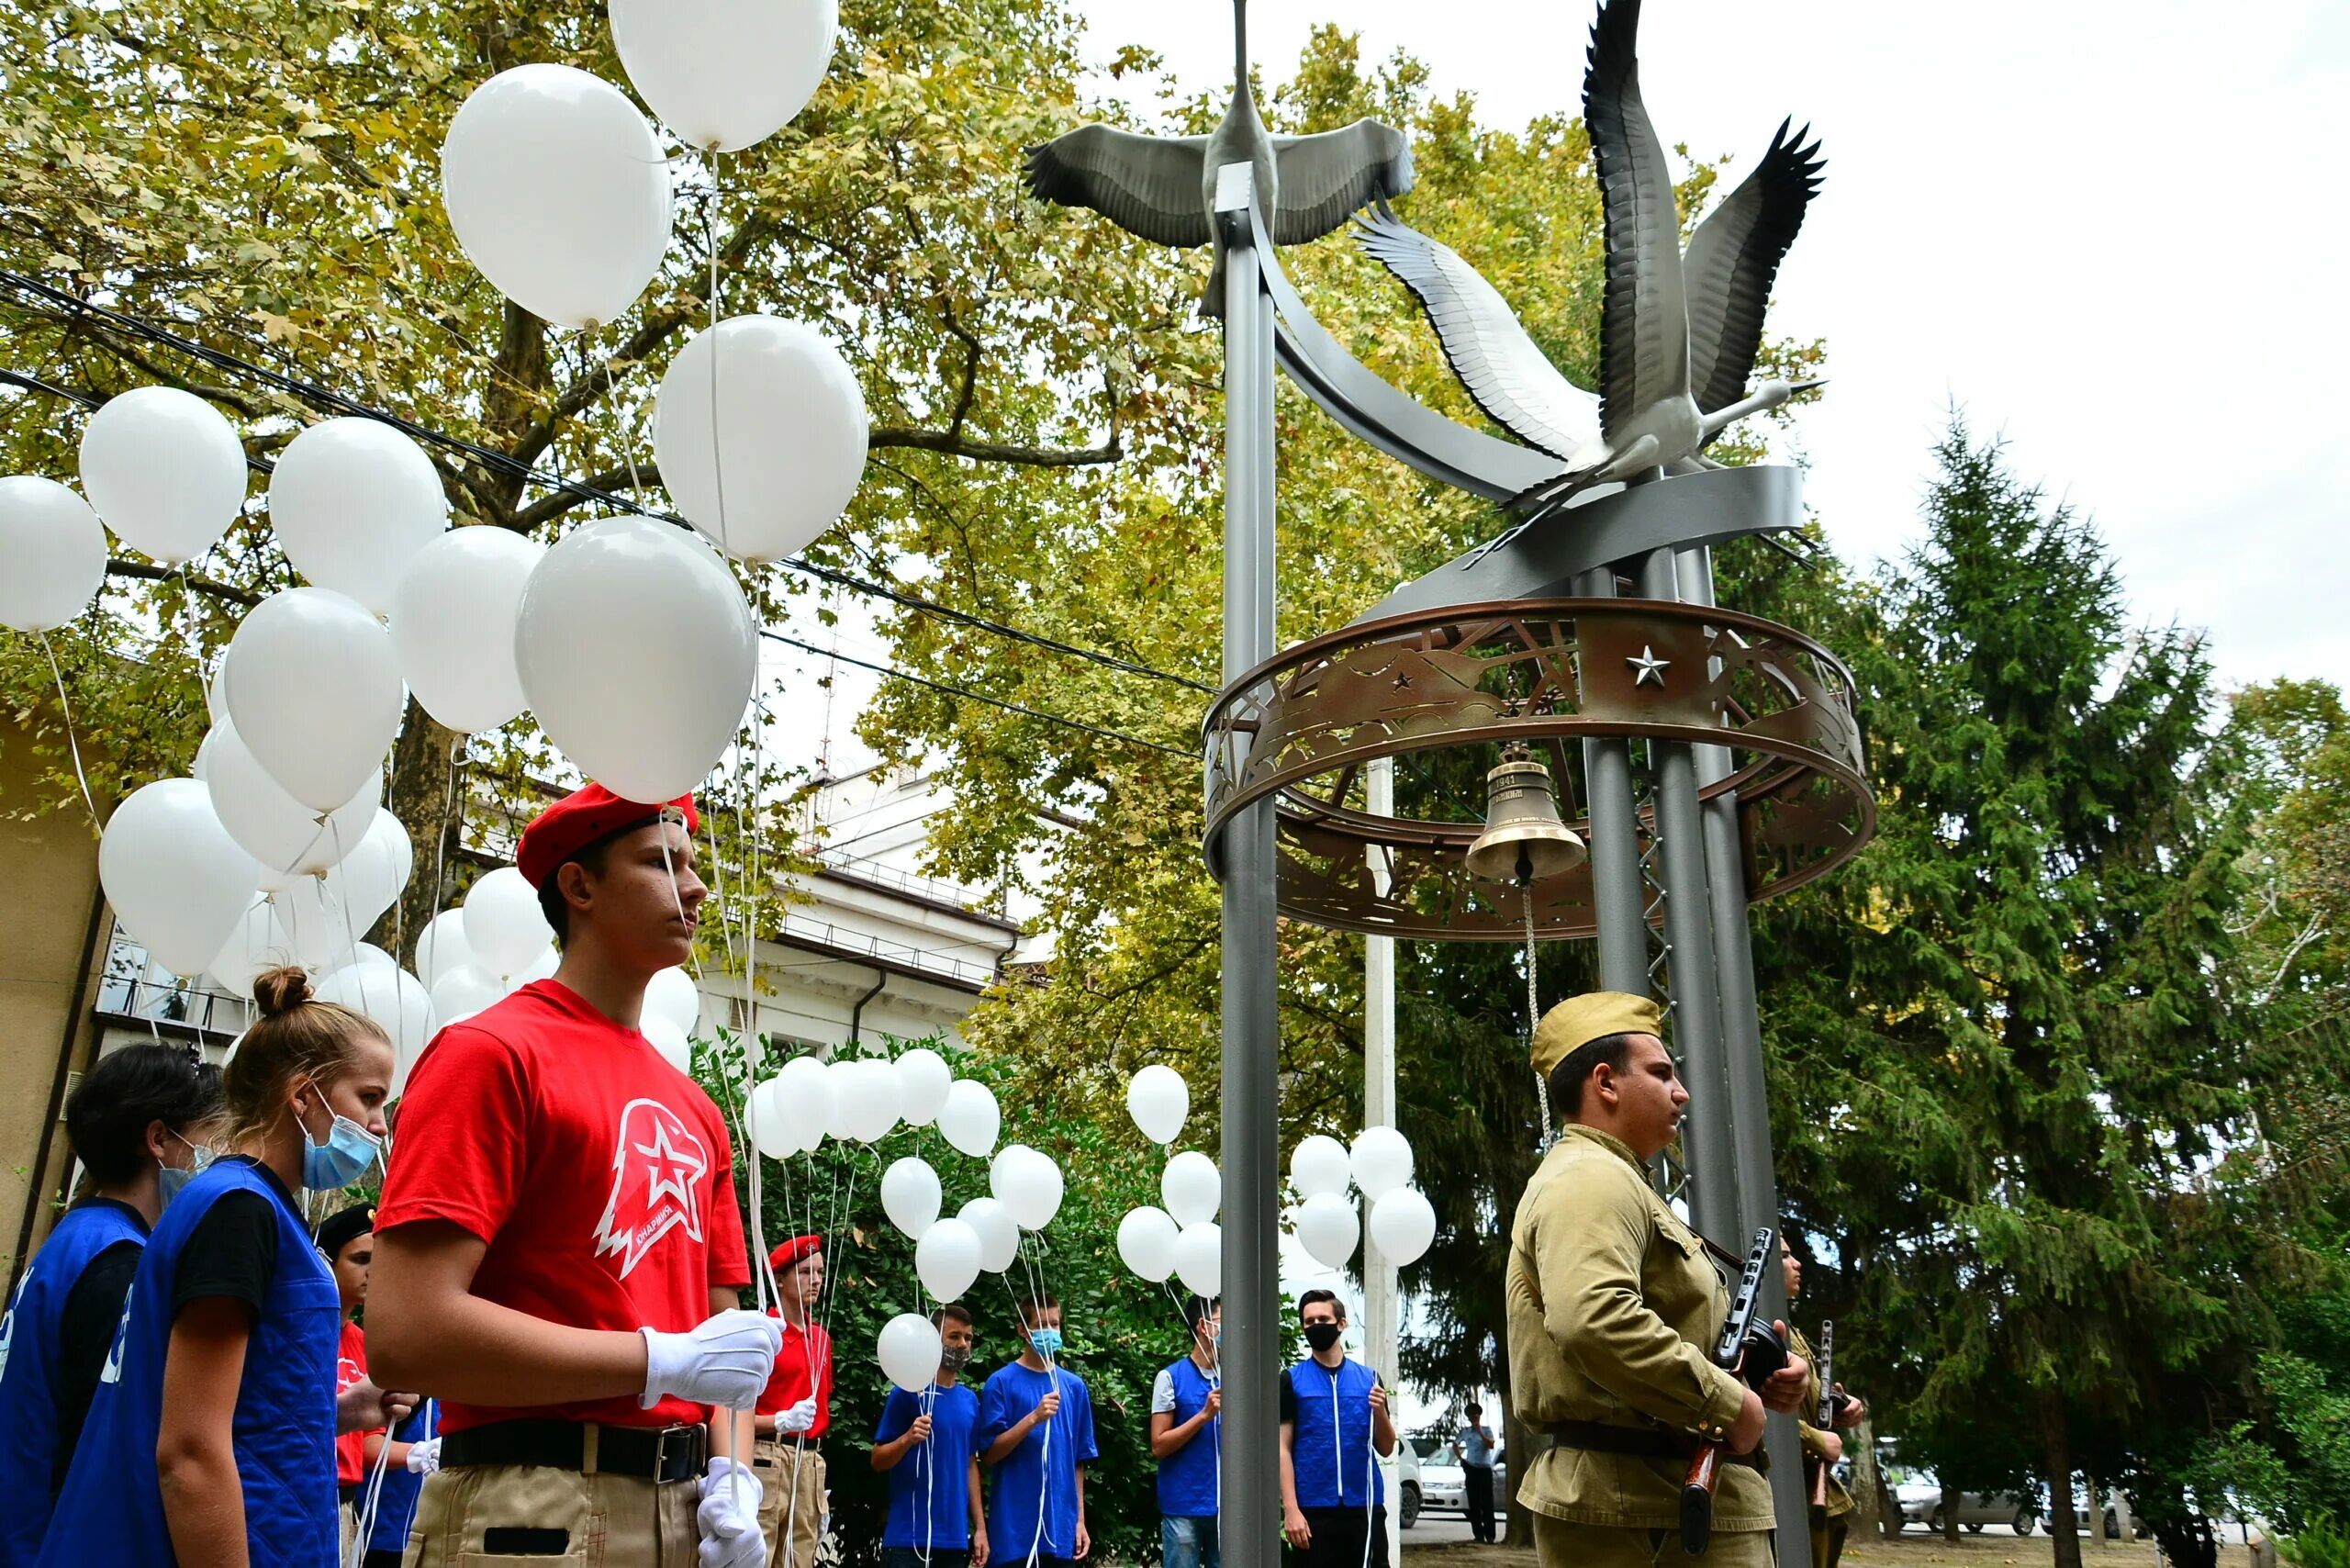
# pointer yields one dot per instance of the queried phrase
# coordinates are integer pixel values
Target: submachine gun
(1751, 1352)
(1832, 1405)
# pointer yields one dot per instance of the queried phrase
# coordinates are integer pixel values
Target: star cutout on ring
(1647, 668)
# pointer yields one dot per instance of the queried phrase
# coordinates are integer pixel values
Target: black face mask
(955, 1358)
(1322, 1335)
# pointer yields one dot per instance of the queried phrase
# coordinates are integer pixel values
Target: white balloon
(638, 653)
(179, 884)
(769, 1129)
(314, 692)
(165, 470)
(924, 1081)
(1192, 1188)
(1147, 1243)
(867, 1093)
(543, 968)
(559, 192)
(1329, 1229)
(672, 994)
(725, 73)
(441, 949)
(394, 998)
(275, 829)
(969, 1120)
(999, 1236)
(256, 943)
(464, 991)
(664, 1036)
(947, 1259)
(1402, 1223)
(352, 501)
(503, 925)
(910, 1196)
(807, 1099)
(452, 624)
(1027, 1183)
(370, 879)
(909, 1351)
(368, 953)
(311, 923)
(1199, 1259)
(1380, 1160)
(53, 554)
(1160, 1102)
(789, 442)
(1318, 1164)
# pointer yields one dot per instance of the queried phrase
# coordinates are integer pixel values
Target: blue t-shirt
(930, 1488)
(32, 1338)
(1039, 1479)
(1330, 1450)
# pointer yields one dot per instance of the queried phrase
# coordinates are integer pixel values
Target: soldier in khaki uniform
(1613, 1309)
(1819, 1448)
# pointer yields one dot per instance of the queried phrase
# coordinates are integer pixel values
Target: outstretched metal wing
(1733, 260)
(1147, 185)
(1323, 178)
(1644, 322)
(1510, 378)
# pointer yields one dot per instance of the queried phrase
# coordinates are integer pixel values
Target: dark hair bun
(281, 990)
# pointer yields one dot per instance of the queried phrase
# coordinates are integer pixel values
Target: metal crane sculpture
(1163, 187)
(1678, 335)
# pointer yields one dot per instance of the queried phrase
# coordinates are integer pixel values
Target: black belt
(799, 1445)
(648, 1453)
(1646, 1442)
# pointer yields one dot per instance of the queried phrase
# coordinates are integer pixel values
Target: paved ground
(1442, 1541)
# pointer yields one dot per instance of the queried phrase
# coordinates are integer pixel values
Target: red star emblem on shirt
(657, 1168)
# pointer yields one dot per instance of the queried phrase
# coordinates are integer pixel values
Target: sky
(2110, 233)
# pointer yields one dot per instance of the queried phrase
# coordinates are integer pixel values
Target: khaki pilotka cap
(1593, 1015)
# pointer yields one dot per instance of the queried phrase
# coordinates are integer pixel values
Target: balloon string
(72, 744)
(717, 447)
(1533, 1003)
(621, 427)
(441, 839)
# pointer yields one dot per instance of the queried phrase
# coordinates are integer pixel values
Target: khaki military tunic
(1613, 1309)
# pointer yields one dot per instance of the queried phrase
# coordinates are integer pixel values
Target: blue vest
(1331, 1452)
(30, 1338)
(111, 1513)
(395, 1503)
(1187, 1478)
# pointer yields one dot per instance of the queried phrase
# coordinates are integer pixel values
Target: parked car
(1408, 1486)
(2018, 1511)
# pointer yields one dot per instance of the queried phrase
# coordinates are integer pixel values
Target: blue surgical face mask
(170, 1178)
(348, 1151)
(1046, 1341)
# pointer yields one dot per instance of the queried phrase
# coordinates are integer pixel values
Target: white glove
(798, 1418)
(729, 1516)
(424, 1458)
(725, 1362)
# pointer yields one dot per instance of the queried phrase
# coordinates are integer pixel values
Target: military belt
(1646, 1442)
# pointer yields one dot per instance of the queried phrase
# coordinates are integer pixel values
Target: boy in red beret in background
(796, 1411)
(559, 1255)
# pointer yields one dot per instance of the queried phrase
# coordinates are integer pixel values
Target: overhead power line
(490, 457)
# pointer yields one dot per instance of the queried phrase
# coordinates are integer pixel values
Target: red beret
(578, 820)
(799, 1249)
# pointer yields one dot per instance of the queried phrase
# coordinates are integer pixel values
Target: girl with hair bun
(211, 1441)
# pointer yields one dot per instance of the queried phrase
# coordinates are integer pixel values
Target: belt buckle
(660, 1453)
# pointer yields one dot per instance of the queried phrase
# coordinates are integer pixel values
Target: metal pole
(1696, 1004)
(1615, 846)
(1381, 1308)
(1750, 1104)
(1251, 1486)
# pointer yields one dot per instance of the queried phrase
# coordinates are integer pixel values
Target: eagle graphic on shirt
(657, 1166)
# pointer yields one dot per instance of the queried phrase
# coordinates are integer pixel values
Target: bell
(1524, 840)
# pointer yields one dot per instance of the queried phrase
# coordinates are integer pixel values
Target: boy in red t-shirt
(559, 1254)
(796, 1411)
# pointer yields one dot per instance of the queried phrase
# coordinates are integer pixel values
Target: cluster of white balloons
(1326, 1221)
(1181, 1238)
(863, 1100)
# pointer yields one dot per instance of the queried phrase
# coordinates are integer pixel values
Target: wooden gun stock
(1697, 1498)
(1819, 1491)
